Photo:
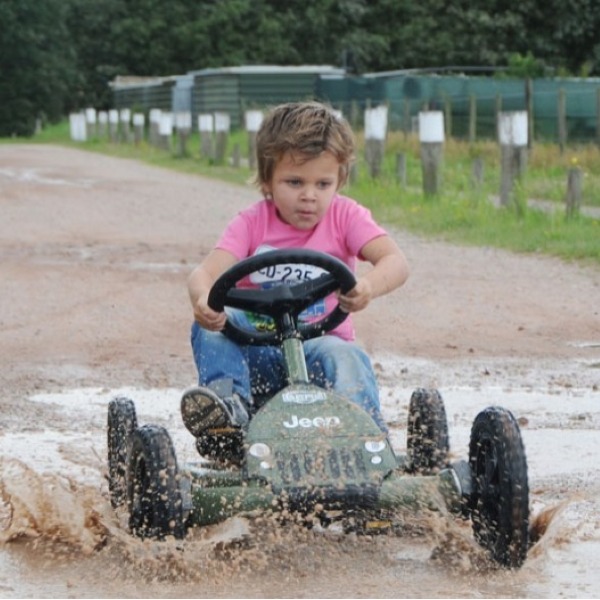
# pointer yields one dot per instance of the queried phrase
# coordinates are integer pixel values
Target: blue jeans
(256, 371)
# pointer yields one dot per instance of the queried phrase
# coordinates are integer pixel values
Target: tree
(58, 55)
(37, 68)
(91, 25)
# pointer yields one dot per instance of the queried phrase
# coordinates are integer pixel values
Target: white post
(431, 138)
(253, 119)
(139, 121)
(77, 126)
(183, 126)
(513, 134)
(125, 118)
(113, 120)
(90, 122)
(102, 124)
(165, 130)
(375, 134)
(206, 126)
(154, 117)
(222, 125)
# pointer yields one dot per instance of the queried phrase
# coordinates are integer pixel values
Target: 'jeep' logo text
(321, 422)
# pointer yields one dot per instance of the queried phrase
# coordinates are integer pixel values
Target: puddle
(55, 480)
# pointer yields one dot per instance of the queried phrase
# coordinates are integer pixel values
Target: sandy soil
(95, 254)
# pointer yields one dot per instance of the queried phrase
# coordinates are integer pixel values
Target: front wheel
(500, 500)
(427, 433)
(122, 422)
(154, 495)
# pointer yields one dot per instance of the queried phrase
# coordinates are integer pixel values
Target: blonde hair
(307, 129)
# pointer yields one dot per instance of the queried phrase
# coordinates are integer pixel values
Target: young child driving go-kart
(304, 152)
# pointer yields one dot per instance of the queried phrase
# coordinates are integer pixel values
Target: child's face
(302, 190)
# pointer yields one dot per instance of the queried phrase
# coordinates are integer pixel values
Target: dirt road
(95, 253)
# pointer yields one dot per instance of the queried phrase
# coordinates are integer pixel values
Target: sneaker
(205, 412)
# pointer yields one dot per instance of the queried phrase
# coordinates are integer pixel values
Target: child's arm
(200, 283)
(390, 271)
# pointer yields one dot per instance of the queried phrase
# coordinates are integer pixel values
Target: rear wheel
(122, 422)
(500, 500)
(154, 495)
(427, 434)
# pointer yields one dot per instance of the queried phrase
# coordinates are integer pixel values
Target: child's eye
(294, 182)
(324, 184)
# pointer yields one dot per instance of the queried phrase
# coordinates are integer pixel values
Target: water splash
(47, 506)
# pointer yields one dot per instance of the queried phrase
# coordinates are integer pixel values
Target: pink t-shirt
(345, 228)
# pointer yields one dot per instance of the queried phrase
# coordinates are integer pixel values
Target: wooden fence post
(562, 119)
(598, 116)
(448, 117)
(431, 137)
(102, 124)
(477, 173)
(401, 168)
(375, 132)
(222, 126)
(90, 123)
(406, 124)
(77, 127)
(113, 120)
(183, 128)
(154, 126)
(139, 121)
(512, 134)
(165, 131)
(206, 128)
(125, 124)
(253, 120)
(574, 192)
(472, 118)
(529, 108)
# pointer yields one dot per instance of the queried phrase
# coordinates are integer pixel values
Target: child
(304, 153)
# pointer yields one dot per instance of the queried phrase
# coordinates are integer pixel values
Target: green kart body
(312, 451)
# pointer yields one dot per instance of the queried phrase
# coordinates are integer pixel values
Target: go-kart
(313, 453)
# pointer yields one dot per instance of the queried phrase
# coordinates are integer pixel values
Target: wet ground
(54, 488)
(95, 255)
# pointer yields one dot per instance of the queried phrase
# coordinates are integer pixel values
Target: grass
(461, 212)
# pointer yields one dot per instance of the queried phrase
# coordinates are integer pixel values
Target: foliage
(37, 70)
(59, 55)
(523, 67)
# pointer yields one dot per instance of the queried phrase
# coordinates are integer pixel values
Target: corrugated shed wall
(143, 97)
(216, 93)
(234, 90)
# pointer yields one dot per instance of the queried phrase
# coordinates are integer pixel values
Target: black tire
(122, 422)
(427, 433)
(500, 501)
(153, 492)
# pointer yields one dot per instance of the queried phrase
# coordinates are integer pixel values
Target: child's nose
(309, 192)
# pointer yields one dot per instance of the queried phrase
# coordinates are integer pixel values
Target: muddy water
(60, 537)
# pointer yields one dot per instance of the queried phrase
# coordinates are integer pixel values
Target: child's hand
(207, 317)
(358, 297)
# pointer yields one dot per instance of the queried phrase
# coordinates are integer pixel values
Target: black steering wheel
(283, 303)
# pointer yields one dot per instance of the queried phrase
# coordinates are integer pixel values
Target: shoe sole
(203, 413)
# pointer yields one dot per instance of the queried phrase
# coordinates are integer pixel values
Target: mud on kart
(312, 452)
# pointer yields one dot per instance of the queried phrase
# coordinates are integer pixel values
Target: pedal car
(314, 453)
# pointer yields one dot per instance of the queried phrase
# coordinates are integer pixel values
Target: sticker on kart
(303, 397)
(318, 422)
